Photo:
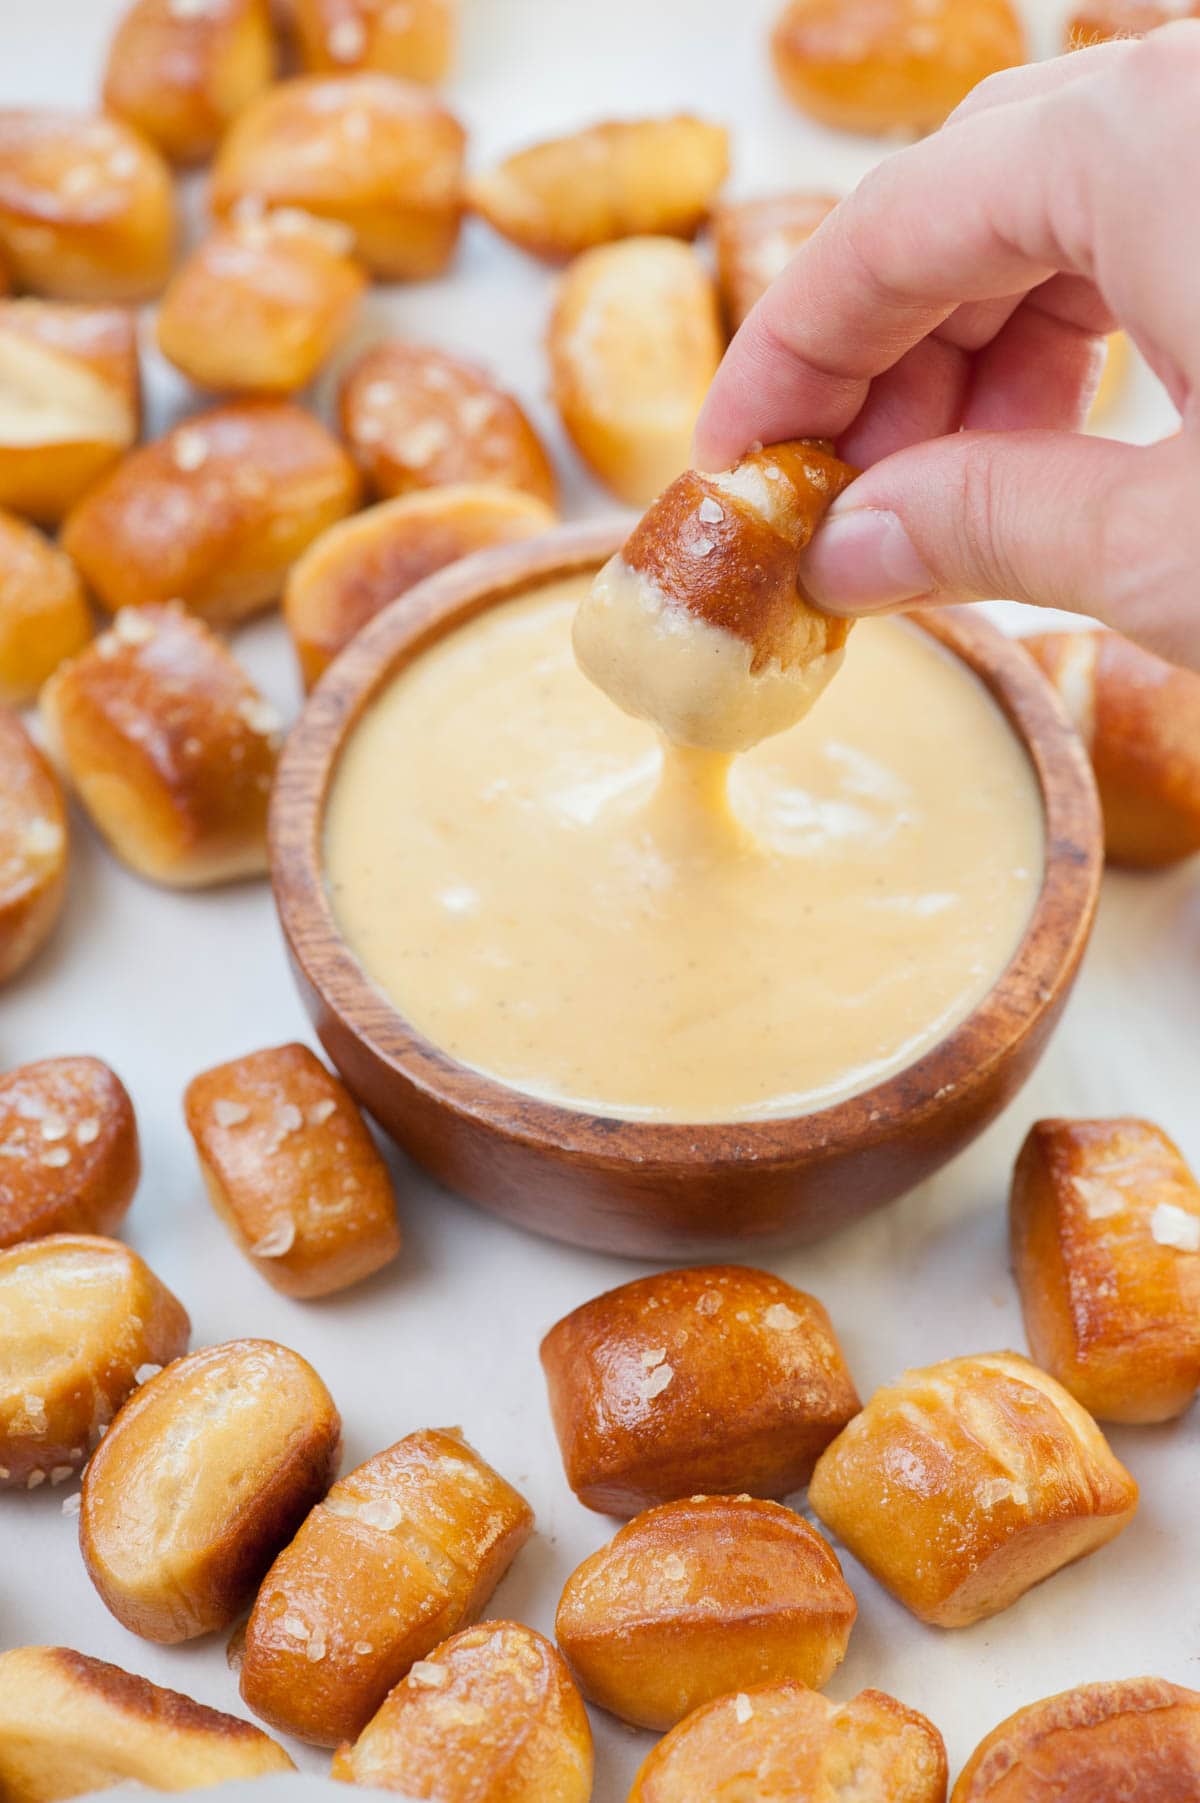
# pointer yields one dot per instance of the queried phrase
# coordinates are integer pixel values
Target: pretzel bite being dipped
(1099, 21)
(1105, 1220)
(789, 1743)
(1139, 718)
(44, 614)
(181, 70)
(87, 210)
(416, 39)
(215, 513)
(755, 240)
(70, 401)
(169, 746)
(292, 1170)
(69, 1155)
(358, 567)
(698, 623)
(33, 847)
(621, 179)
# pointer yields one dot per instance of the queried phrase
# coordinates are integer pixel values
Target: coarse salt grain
(35, 1408)
(55, 1158)
(656, 1383)
(742, 1707)
(144, 1373)
(275, 1243)
(34, 1479)
(54, 1127)
(320, 1112)
(709, 1303)
(711, 512)
(316, 1648)
(71, 1504)
(42, 838)
(782, 1318)
(132, 627)
(294, 1628)
(431, 1676)
(674, 1567)
(189, 9)
(422, 444)
(1172, 1226)
(363, 1648)
(260, 716)
(654, 1357)
(229, 1114)
(1100, 1199)
(88, 1131)
(189, 449)
(288, 1119)
(701, 547)
(346, 41)
(60, 1473)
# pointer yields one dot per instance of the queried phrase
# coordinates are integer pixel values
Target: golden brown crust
(182, 74)
(756, 239)
(791, 1743)
(70, 401)
(44, 615)
(417, 40)
(620, 179)
(1105, 1223)
(260, 304)
(169, 746)
(634, 341)
(1094, 1742)
(381, 156)
(87, 211)
(81, 1318)
(964, 1484)
(700, 1597)
(1099, 21)
(718, 1379)
(292, 1170)
(358, 567)
(213, 514)
(1140, 720)
(490, 1713)
(416, 417)
(70, 1723)
(891, 65)
(254, 1432)
(33, 847)
(402, 1552)
(69, 1157)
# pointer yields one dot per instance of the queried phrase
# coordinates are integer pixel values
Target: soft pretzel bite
(87, 211)
(215, 513)
(33, 847)
(377, 154)
(207, 1470)
(358, 567)
(1139, 1737)
(720, 1379)
(891, 65)
(182, 70)
(700, 1597)
(292, 1170)
(415, 38)
(416, 417)
(70, 401)
(698, 624)
(789, 1743)
(755, 240)
(1105, 1222)
(490, 1713)
(44, 614)
(964, 1484)
(70, 1724)
(634, 342)
(624, 178)
(401, 1553)
(169, 746)
(69, 1155)
(82, 1321)
(1099, 21)
(1139, 718)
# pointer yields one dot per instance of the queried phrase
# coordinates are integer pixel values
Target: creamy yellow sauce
(553, 898)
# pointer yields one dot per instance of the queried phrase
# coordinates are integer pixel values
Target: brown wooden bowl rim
(1046, 957)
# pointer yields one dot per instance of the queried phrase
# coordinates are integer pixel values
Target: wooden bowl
(655, 1189)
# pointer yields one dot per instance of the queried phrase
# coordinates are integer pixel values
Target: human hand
(946, 326)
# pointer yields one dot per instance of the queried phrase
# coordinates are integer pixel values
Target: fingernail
(863, 562)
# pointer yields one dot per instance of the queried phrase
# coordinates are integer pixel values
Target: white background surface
(162, 985)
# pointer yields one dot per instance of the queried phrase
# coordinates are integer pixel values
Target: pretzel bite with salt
(634, 342)
(1105, 1222)
(402, 1552)
(789, 1743)
(358, 567)
(33, 847)
(292, 1170)
(755, 240)
(718, 1379)
(44, 615)
(891, 65)
(169, 746)
(70, 401)
(698, 623)
(87, 209)
(182, 70)
(415, 38)
(624, 178)
(69, 1154)
(214, 514)
(1100, 21)
(490, 1713)
(966, 1483)
(376, 154)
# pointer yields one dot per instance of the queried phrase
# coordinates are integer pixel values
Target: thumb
(1051, 518)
